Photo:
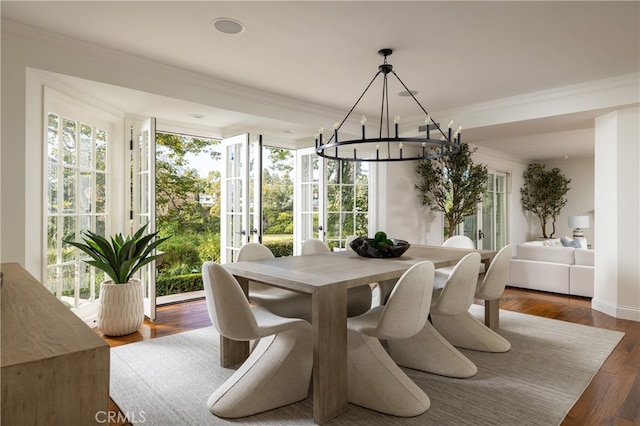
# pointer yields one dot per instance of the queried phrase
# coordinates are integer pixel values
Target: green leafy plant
(543, 194)
(381, 241)
(121, 257)
(453, 185)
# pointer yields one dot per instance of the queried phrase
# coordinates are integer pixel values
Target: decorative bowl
(363, 247)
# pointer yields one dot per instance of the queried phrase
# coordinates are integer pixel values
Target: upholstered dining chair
(278, 370)
(459, 241)
(375, 381)
(428, 350)
(456, 241)
(358, 298)
(284, 303)
(464, 330)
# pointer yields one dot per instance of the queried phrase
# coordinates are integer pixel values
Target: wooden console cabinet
(55, 369)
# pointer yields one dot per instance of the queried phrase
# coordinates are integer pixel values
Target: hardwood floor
(612, 398)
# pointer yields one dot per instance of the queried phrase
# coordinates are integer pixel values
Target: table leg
(233, 352)
(329, 317)
(492, 313)
(491, 307)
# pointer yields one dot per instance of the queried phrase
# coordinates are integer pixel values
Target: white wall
(400, 212)
(617, 203)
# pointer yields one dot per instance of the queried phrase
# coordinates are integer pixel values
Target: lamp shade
(578, 221)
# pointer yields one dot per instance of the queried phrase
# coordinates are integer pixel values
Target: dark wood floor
(612, 398)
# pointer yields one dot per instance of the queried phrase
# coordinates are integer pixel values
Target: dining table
(326, 277)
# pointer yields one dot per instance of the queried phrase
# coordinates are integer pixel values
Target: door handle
(480, 234)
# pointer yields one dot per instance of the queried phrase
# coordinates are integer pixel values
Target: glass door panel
(241, 200)
(308, 198)
(144, 201)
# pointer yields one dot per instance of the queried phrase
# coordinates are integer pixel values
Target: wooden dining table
(326, 277)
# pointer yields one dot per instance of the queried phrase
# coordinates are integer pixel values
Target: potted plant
(120, 309)
(543, 194)
(453, 185)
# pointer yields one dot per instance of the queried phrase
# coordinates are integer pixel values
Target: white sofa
(565, 270)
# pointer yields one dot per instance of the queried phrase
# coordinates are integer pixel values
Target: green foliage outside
(543, 194)
(179, 284)
(280, 248)
(194, 225)
(453, 185)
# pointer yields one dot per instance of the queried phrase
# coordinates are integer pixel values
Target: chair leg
(277, 373)
(465, 331)
(377, 383)
(429, 351)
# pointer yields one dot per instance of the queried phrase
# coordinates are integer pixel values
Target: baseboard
(631, 313)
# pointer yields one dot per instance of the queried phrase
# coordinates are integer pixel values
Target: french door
(143, 212)
(488, 228)
(309, 198)
(241, 194)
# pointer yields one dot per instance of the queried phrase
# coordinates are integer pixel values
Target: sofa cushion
(548, 242)
(584, 257)
(545, 254)
(537, 275)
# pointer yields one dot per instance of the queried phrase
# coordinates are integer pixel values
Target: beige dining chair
(284, 303)
(459, 241)
(358, 298)
(278, 370)
(375, 381)
(456, 241)
(464, 330)
(428, 350)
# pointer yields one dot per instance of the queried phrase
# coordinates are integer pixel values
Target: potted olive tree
(453, 185)
(543, 194)
(121, 308)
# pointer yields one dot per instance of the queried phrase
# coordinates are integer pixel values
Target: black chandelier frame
(426, 147)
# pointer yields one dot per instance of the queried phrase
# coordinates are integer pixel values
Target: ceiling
(454, 54)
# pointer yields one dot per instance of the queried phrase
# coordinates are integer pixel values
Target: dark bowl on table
(364, 247)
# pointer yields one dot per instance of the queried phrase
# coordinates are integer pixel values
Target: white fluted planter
(121, 308)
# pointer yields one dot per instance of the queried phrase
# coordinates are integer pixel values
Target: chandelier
(386, 146)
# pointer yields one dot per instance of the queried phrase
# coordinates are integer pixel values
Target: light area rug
(166, 381)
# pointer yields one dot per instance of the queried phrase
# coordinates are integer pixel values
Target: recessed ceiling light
(228, 25)
(406, 93)
(196, 115)
(290, 131)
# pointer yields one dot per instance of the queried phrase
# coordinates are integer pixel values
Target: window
(347, 201)
(76, 200)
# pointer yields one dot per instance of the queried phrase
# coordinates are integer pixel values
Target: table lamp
(578, 222)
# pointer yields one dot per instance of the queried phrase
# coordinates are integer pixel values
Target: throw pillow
(552, 242)
(568, 242)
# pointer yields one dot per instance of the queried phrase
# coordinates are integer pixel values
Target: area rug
(166, 381)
